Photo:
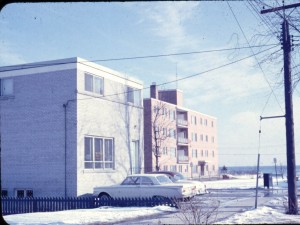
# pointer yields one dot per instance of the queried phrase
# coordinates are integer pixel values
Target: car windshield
(163, 179)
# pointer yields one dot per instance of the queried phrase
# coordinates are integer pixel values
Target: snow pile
(85, 216)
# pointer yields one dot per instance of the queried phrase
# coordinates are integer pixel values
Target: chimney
(153, 91)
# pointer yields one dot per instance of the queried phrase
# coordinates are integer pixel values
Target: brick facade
(190, 143)
(45, 121)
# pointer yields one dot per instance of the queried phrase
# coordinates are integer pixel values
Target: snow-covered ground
(272, 213)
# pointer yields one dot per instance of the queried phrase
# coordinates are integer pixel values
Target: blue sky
(237, 94)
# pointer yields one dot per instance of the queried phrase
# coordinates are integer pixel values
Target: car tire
(104, 196)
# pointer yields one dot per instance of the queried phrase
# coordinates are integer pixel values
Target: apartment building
(176, 138)
(67, 126)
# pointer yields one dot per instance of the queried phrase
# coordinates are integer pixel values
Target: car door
(147, 189)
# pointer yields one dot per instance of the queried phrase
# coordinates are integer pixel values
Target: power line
(169, 82)
(254, 55)
(200, 73)
(36, 65)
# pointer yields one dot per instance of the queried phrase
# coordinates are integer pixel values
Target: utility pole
(289, 118)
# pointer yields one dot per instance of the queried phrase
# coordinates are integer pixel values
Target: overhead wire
(42, 64)
(200, 73)
(253, 53)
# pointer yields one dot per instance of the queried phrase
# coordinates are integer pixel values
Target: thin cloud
(169, 21)
(9, 57)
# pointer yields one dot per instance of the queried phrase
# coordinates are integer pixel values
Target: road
(212, 207)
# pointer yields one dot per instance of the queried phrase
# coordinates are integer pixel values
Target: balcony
(182, 122)
(181, 157)
(182, 141)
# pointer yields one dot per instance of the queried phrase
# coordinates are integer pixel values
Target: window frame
(3, 83)
(4, 193)
(27, 192)
(93, 84)
(101, 157)
(133, 96)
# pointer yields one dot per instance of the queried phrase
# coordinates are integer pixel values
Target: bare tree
(198, 210)
(161, 125)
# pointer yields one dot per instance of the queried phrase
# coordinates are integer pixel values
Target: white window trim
(93, 91)
(93, 169)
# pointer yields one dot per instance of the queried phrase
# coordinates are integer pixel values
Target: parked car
(147, 186)
(179, 178)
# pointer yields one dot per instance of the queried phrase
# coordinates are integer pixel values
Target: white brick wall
(33, 132)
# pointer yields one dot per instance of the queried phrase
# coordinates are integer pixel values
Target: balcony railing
(182, 122)
(182, 140)
(182, 159)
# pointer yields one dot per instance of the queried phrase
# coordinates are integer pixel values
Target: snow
(273, 212)
(85, 216)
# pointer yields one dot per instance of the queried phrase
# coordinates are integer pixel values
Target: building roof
(63, 64)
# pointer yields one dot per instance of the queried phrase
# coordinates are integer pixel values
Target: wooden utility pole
(289, 118)
(289, 121)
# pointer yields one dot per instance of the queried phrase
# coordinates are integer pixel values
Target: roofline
(62, 64)
(182, 108)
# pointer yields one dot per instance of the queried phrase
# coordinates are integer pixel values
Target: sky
(271, 212)
(220, 75)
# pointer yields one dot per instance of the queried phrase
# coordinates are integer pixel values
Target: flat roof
(180, 108)
(63, 64)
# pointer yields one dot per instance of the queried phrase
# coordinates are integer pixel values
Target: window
(22, 193)
(213, 139)
(172, 133)
(134, 96)
(212, 123)
(205, 122)
(165, 167)
(194, 136)
(180, 168)
(194, 120)
(98, 153)
(166, 112)
(206, 138)
(130, 94)
(4, 193)
(93, 83)
(131, 181)
(146, 181)
(195, 169)
(172, 115)
(165, 151)
(173, 168)
(194, 153)
(6, 87)
(173, 152)
(165, 132)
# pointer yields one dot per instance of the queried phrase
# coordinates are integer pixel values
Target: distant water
(262, 169)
